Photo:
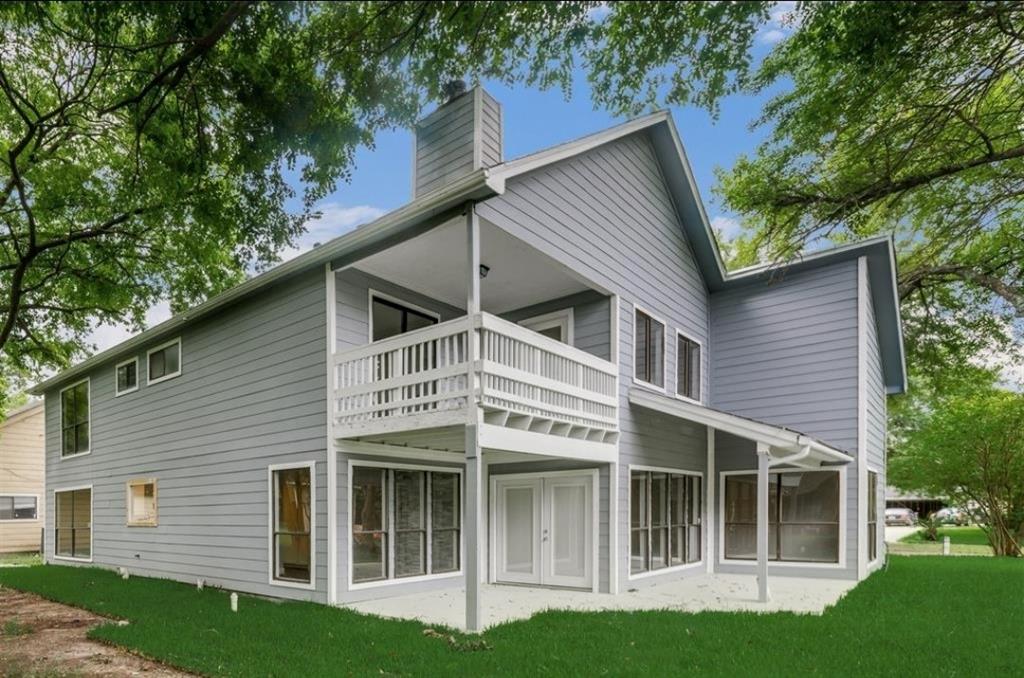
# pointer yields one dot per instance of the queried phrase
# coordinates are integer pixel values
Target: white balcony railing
(520, 378)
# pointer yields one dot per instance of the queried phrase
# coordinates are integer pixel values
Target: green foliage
(13, 628)
(929, 528)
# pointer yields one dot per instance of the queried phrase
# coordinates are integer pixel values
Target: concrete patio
(721, 592)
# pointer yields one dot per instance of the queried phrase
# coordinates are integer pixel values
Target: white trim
(664, 352)
(862, 417)
(271, 514)
(60, 405)
(172, 375)
(330, 284)
(92, 532)
(841, 565)
(563, 318)
(133, 359)
(391, 581)
(613, 527)
(129, 521)
(879, 516)
(699, 400)
(629, 503)
(18, 521)
(371, 293)
(709, 497)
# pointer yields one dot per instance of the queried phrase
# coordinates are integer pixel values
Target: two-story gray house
(538, 372)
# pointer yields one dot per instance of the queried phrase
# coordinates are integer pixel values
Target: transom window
(664, 520)
(687, 367)
(164, 362)
(73, 523)
(803, 516)
(142, 503)
(405, 523)
(390, 317)
(292, 524)
(127, 376)
(872, 516)
(16, 507)
(649, 350)
(74, 420)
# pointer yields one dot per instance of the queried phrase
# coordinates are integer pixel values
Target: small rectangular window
(142, 503)
(164, 362)
(18, 508)
(872, 516)
(127, 377)
(687, 368)
(72, 536)
(649, 350)
(74, 419)
(292, 524)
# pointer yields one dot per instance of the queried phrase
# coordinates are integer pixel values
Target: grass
(12, 627)
(963, 541)
(20, 559)
(919, 617)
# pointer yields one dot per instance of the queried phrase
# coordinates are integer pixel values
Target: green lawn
(921, 617)
(967, 536)
(20, 559)
(963, 541)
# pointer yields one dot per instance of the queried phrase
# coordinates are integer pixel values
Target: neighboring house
(536, 372)
(22, 474)
(921, 504)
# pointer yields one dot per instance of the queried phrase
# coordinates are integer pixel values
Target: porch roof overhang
(796, 446)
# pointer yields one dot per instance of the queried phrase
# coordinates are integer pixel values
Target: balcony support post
(476, 539)
(763, 461)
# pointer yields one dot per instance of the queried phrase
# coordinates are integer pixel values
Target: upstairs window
(142, 503)
(74, 419)
(126, 377)
(649, 350)
(164, 362)
(389, 317)
(687, 368)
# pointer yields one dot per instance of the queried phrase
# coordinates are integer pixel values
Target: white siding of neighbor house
(252, 393)
(22, 473)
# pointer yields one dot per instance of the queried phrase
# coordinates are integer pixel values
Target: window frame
(118, 366)
(391, 299)
(840, 565)
(563, 318)
(131, 521)
(664, 351)
(60, 404)
(388, 506)
(872, 544)
(21, 495)
(699, 400)
(92, 541)
(640, 468)
(272, 521)
(149, 352)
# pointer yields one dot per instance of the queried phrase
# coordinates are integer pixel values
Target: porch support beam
(475, 523)
(763, 462)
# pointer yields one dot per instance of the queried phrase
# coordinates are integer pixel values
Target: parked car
(900, 516)
(951, 516)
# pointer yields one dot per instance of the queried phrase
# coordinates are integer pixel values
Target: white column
(710, 514)
(473, 260)
(475, 539)
(763, 457)
(332, 452)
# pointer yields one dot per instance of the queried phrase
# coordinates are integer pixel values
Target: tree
(971, 449)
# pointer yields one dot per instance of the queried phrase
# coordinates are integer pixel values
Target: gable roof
(439, 204)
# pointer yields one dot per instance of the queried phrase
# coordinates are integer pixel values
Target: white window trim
(563, 318)
(879, 518)
(273, 581)
(134, 359)
(60, 404)
(92, 532)
(23, 495)
(371, 293)
(703, 520)
(664, 351)
(752, 564)
(172, 375)
(129, 522)
(394, 581)
(700, 382)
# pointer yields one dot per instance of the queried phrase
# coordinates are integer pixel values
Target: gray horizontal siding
(591, 320)
(444, 144)
(785, 352)
(490, 131)
(251, 394)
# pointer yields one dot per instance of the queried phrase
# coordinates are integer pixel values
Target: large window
(390, 317)
(16, 507)
(664, 520)
(405, 523)
(141, 501)
(73, 523)
(74, 419)
(687, 367)
(292, 524)
(872, 516)
(164, 362)
(803, 516)
(649, 350)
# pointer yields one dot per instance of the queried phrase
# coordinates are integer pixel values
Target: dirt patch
(41, 638)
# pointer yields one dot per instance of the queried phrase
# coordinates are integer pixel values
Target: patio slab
(721, 592)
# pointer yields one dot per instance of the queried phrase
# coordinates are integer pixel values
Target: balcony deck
(432, 378)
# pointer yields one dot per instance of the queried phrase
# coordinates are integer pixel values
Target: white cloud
(107, 336)
(600, 12)
(727, 226)
(782, 20)
(771, 36)
(335, 219)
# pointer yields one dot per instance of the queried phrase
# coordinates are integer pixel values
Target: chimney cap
(453, 89)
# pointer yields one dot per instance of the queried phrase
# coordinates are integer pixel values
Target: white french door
(544, 530)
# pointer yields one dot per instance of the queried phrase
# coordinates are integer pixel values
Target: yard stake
(234, 602)
(945, 545)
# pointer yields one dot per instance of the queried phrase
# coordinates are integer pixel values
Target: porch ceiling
(434, 264)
